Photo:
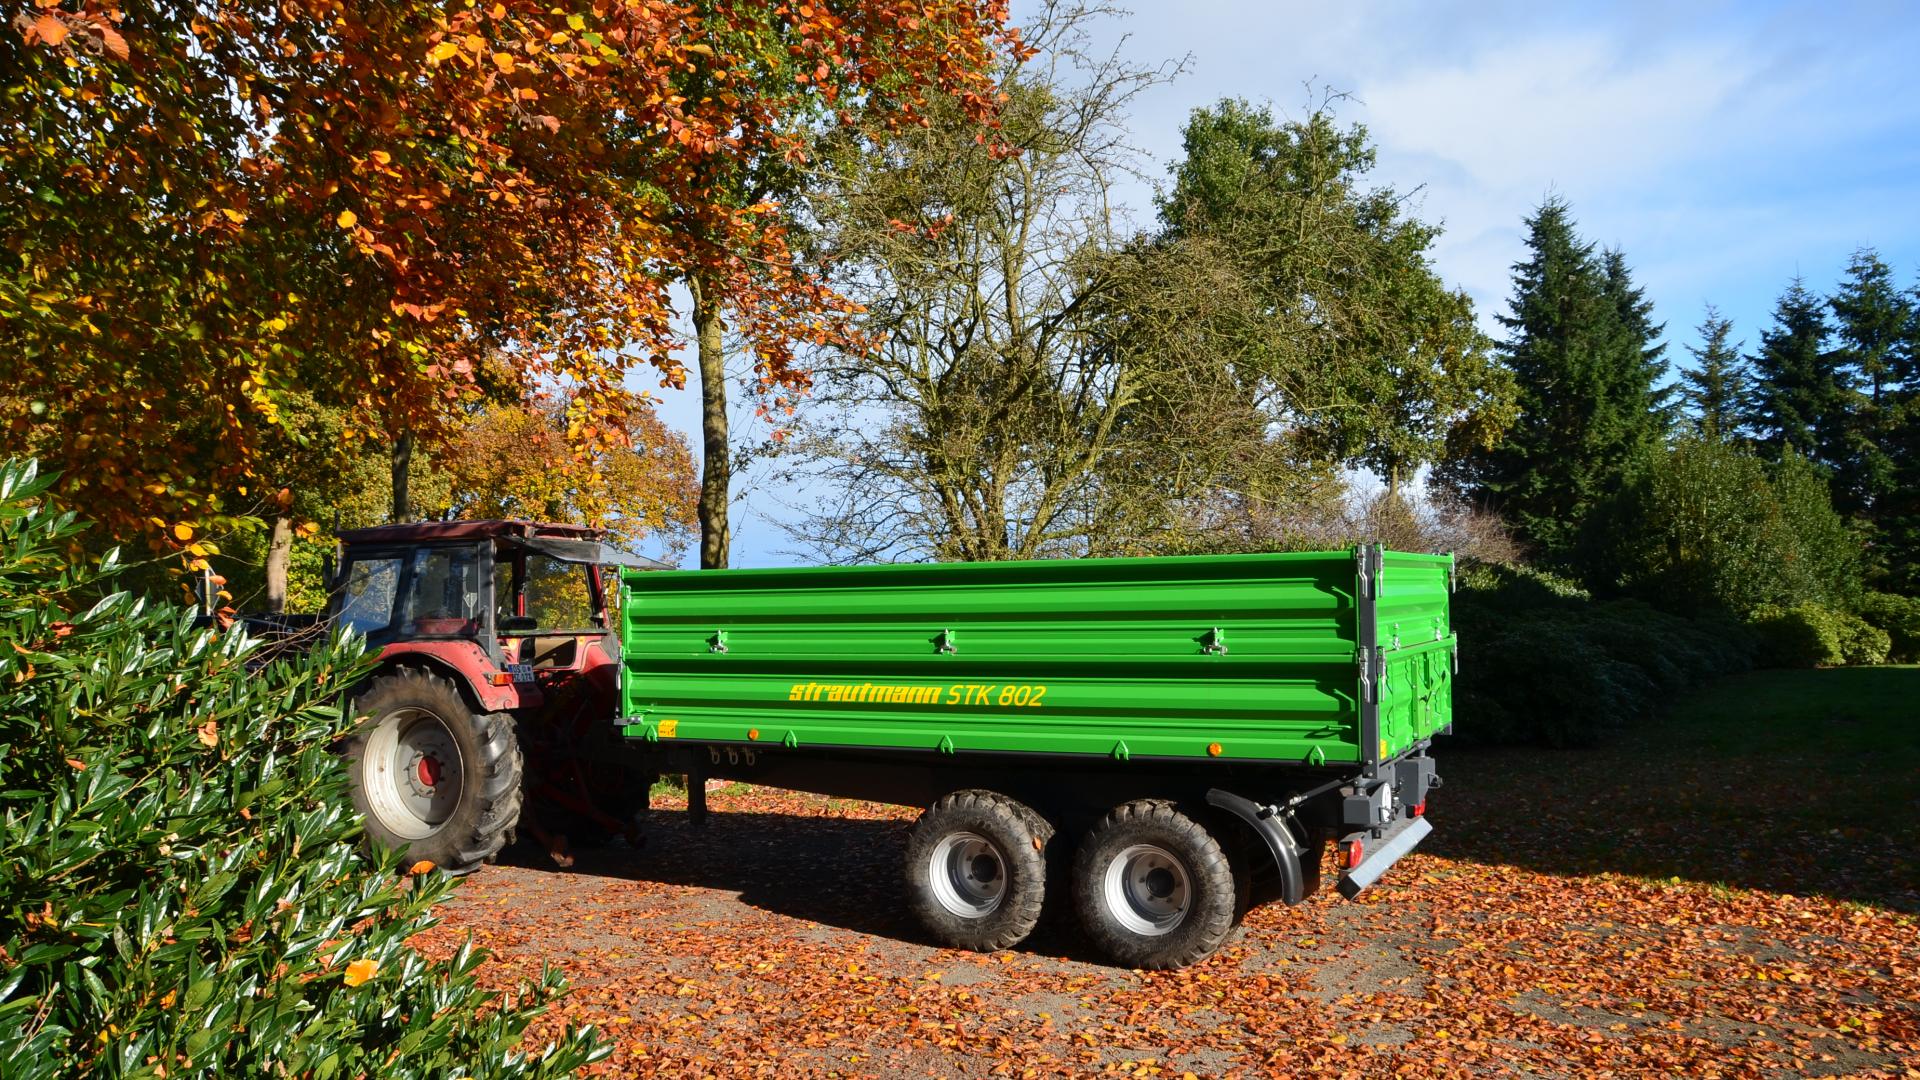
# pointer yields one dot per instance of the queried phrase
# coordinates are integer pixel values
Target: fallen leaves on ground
(774, 943)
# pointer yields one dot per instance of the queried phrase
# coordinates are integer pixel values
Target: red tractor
(491, 707)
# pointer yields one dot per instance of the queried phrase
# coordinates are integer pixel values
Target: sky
(1723, 147)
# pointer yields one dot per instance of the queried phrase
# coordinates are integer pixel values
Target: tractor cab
(497, 651)
(499, 601)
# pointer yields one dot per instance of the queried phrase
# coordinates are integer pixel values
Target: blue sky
(1725, 147)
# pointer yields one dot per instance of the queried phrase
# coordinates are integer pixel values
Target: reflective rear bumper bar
(1383, 853)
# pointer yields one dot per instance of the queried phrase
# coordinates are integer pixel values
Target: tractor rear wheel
(432, 777)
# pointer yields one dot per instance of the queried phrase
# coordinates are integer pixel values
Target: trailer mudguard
(1287, 850)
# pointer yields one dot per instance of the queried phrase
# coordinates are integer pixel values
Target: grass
(1792, 781)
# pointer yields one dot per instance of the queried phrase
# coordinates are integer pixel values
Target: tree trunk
(402, 462)
(279, 557)
(715, 463)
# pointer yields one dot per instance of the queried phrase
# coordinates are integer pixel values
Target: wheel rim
(411, 771)
(1147, 890)
(968, 874)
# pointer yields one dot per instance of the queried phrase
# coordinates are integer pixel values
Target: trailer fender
(1278, 833)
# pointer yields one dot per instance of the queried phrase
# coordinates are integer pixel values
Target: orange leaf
(115, 44)
(424, 866)
(347, 219)
(503, 61)
(209, 733)
(51, 30)
(359, 972)
(183, 532)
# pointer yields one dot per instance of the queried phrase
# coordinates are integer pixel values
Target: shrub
(1861, 642)
(181, 891)
(1799, 637)
(1709, 526)
(1899, 616)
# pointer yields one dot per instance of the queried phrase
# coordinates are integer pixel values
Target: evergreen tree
(1641, 334)
(1803, 397)
(1582, 349)
(1870, 318)
(1899, 511)
(1714, 392)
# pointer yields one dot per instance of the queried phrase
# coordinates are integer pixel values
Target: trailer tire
(977, 870)
(1153, 888)
(419, 733)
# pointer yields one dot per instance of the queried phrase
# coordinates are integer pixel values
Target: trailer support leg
(697, 799)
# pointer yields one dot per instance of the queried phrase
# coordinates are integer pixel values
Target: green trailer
(1167, 740)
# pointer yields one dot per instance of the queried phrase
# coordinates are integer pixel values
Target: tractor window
(444, 600)
(557, 596)
(366, 598)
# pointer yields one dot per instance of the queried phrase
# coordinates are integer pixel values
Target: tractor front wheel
(432, 777)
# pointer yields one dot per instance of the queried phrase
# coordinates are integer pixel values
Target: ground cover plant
(1731, 893)
(181, 888)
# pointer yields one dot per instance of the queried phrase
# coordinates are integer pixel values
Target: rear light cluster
(1420, 808)
(1348, 853)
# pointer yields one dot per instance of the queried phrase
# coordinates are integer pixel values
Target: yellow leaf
(381, 157)
(235, 216)
(442, 51)
(183, 532)
(703, 50)
(359, 972)
(475, 43)
(560, 38)
(347, 219)
(503, 61)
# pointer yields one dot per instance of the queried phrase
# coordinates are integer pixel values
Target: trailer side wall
(1240, 658)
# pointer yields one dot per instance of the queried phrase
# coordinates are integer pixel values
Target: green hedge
(182, 892)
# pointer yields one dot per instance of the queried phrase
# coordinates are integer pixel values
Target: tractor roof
(421, 532)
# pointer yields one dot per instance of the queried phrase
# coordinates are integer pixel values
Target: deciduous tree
(206, 209)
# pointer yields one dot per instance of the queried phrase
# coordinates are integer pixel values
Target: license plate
(522, 673)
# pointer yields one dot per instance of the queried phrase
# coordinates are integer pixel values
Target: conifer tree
(1583, 351)
(1870, 321)
(1714, 393)
(1898, 512)
(1803, 396)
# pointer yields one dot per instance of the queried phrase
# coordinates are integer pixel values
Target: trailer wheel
(431, 776)
(1152, 887)
(977, 870)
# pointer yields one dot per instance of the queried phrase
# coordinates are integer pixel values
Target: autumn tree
(514, 461)
(205, 210)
